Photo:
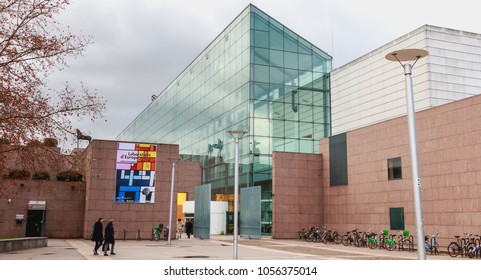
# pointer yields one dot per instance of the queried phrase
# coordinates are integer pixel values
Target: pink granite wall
(134, 220)
(296, 193)
(64, 207)
(449, 152)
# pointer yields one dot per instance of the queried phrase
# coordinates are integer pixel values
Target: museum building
(324, 146)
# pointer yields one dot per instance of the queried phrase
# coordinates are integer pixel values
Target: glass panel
(261, 73)
(261, 39)
(290, 42)
(306, 146)
(261, 109)
(305, 97)
(260, 91)
(260, 23)
(291, 107)
(290, 60)
(261, 145)
(291, 77)
(306, 113)
(305, 62)
(292, 145)
(318, 64)
(276, 38)
(276, 76)
(304, 46)
(260, 56)
(261, 127)
(318, 98)
(291, 129)
(306, 130)
(318, 114)
(277, 110)
(276, 92)
(319, 82)
(278, 128)
(305, 79)
(278, 144)
(277, 58)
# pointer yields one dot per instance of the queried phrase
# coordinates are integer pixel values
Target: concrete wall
(7, 245)
(449, 148)
(296, 193)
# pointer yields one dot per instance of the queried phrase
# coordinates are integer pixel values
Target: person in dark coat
(109, 238)
(189, 227)
(97, 235)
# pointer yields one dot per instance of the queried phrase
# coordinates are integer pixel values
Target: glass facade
(258, 76)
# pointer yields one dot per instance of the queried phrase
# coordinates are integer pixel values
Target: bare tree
(32, 46)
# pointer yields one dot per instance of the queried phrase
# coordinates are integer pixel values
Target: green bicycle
(382, 241)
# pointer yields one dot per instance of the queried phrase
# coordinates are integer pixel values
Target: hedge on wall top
(69, 175)
(50, 142)
(41, 175)
(18, 174)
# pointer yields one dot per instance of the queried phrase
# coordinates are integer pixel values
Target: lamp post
(171, 203)
(412, 55)
(237, 134)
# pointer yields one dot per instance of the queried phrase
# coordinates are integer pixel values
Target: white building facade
(371, 89)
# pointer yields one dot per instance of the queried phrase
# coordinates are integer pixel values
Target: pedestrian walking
(180, 228)
(97, 235)
(109, 238)
(189, 227)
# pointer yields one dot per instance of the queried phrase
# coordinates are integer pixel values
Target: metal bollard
(125, 234)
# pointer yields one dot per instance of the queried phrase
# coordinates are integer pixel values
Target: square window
(394, 169)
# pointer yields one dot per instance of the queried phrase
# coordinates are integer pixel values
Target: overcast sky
(140, 46)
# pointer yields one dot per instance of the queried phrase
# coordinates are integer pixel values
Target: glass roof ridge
(256, 10)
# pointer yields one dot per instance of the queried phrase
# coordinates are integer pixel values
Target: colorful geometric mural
(135, 173)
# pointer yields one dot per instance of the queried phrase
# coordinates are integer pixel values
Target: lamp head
(237, 133)
(406, 55)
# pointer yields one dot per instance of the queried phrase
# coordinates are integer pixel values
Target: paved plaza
(216, 248)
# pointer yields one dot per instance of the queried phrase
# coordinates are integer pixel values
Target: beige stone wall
(296, 193)
(449, 152)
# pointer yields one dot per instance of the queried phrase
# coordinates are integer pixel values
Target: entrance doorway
(35, 223)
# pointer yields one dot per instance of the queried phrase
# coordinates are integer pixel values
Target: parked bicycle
(431, 244)
(460, 246)
(404, 241)
(328, 236)
(156, 232)
(474, 248)
(351, 237)
(382, 241)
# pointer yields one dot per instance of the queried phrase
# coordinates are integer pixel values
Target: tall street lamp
(412, 55)
(171, 204)
(237, 134)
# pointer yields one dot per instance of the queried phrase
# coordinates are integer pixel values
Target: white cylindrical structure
(414, 161)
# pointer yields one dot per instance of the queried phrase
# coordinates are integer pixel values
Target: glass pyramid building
(258, 76)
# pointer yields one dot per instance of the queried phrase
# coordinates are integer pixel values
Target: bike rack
(477, 242)
(411, 238)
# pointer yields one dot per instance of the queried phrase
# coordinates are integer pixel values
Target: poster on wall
(135, 173)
